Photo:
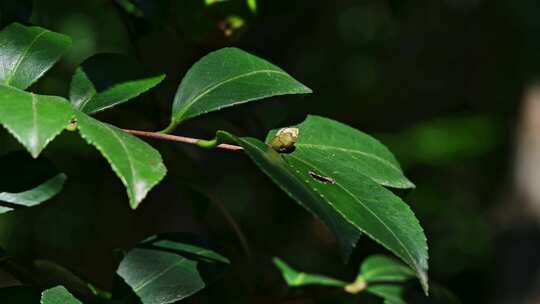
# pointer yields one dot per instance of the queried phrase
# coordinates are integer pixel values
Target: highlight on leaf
(229, 77)
(28, 52)
(34, 120)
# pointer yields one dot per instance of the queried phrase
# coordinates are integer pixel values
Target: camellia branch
(188, 140)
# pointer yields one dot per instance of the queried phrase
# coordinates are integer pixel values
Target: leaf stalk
(207, 144)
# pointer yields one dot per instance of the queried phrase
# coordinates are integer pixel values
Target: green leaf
(58, 295)
(279, 171)
(34, 120)
(27, 182)
(295, 278)
(107, 80)
(344, 199)
(32, 197)
(252, 4)
(27, 53)
(138, 165)
(392, 294)
(212, 2)
(165, 270)
(334, 146)
(380, 268)
(228, 77)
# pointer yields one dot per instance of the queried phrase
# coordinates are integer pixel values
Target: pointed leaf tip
(138, 165)
(229, 77)
(34, 120)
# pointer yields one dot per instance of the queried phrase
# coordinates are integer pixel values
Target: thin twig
(182, 139)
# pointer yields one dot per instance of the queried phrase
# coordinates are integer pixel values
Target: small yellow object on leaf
(284, 140)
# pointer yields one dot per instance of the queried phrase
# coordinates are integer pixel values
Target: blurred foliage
(441, 80)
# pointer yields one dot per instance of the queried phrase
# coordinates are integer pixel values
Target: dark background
(442, 82)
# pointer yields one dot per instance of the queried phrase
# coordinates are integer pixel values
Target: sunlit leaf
(58, 295)
(138, 165)
(34, 120)
(252, 4)
(28, 52)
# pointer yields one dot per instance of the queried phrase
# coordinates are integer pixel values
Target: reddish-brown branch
(182, 139)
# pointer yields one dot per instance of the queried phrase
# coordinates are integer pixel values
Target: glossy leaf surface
(138, 165)
(33, 119)
(165, 270)
(28, 52)
(275, 166)
(58, 295)
(337, 147)
(228, 77)
(346, 201)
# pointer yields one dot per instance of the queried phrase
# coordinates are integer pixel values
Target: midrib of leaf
(332, 221)
(370, 155)
(157, 275)
(367, 274)
(35, 129)
(212, 87)
(128, 157)
(366, 208)
(21, 57)
(86, 100)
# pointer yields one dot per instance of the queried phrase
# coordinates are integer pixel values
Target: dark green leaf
(295, 278)
(106, 80)
(27, 53)
(138, 165)
(33, 119)
(279, 171)
(226, 78)
(334, 146)
(59, 274)
(34, 196)
(346, 201)
(58, 295)
(165, 270)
